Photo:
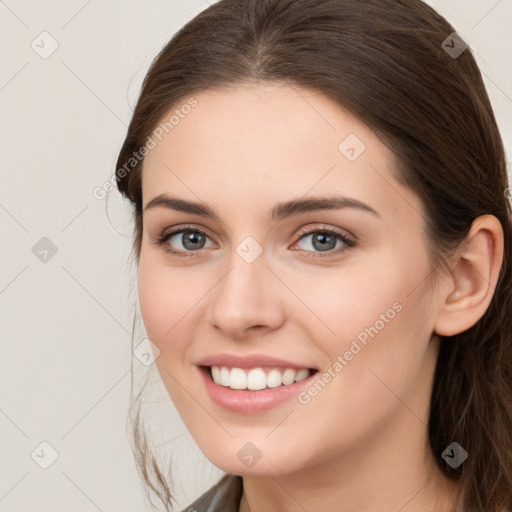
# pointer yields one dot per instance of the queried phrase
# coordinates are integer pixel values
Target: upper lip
(249, 361)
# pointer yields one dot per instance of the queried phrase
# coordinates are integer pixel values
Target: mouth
(257, 378)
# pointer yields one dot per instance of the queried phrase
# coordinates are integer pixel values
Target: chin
(248, 460)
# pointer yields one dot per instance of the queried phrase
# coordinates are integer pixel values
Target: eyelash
(165, 236)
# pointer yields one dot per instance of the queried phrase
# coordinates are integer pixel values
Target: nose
(247, 299)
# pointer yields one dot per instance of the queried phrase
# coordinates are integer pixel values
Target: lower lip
(247, 401)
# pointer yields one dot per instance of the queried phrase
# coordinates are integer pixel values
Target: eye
(325, 241)
(191, 239)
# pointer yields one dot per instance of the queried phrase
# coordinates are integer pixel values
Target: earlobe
(473, 278)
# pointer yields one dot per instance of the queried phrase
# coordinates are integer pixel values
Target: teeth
(302, 374)
(224, 376)
(288, 376)
(274, 378)
(238, 379)
(256, 378)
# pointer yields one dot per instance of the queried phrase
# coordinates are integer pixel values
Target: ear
(474, 274)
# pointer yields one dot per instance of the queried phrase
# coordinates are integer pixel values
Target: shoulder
(224, 496)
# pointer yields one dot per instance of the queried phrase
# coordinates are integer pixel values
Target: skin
(361, 443)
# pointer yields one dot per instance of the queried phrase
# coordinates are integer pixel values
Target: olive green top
(225, 496)
(222, 497)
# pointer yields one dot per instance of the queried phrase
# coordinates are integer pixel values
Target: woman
(323, 239)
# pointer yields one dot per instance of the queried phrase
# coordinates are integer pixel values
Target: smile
(257, 378)
(287, 382)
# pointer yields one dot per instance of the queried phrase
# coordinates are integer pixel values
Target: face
(341, 289)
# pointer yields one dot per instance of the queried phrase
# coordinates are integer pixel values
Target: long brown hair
(386, 62)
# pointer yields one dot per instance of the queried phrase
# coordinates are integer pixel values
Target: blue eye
(193, 240)
(326, 240)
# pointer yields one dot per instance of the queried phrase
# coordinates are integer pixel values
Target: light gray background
(66, 323)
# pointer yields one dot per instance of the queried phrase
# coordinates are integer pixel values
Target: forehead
(257, 120)
(268, 140)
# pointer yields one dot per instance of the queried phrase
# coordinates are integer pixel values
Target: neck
(387, 480)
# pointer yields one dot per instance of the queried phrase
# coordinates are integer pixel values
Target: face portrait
(341, 289)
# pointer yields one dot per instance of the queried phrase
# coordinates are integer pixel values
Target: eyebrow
(278, 212)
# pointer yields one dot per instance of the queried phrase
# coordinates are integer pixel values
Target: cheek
(170, 302)
(164, 313)
(153, 301)
(161, 300)
(376, 316)
(343, 303)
